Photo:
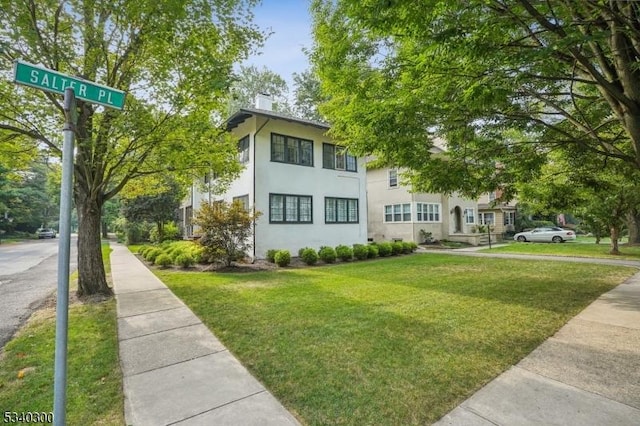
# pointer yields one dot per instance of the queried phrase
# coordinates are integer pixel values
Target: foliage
(251, 81)
(282, 258)
(152, 254)
(163, 260)
(184, 260)
(503, 83)
(384, 248)
(327, 254)
(360, 251)
(271, 255)
(173, 59)
(372, 251)
(344, 253)
(397, 247)
(226, 230)
(307, 95)
(309, 256)
(408, 247)
(170, 232)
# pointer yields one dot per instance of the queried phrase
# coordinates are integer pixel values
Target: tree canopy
(503, 82)
(173, 59)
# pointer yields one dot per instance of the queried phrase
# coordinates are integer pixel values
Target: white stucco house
(310, 191)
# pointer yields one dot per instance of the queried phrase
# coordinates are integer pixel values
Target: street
(28, 275)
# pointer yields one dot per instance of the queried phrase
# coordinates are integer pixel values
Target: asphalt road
(28, 275)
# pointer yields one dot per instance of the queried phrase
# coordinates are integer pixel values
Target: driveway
(28, 275)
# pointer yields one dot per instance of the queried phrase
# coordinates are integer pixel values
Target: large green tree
(173, 58)
(250, 81)
(502, 81)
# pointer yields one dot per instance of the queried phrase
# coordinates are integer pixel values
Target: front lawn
(578, 249)
(391, 341)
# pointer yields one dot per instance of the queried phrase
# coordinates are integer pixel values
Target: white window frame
(243, 150)
(483, 218)
(509, 217)
(398, 211)
(429, 212)
(470, 219)
(392, 178)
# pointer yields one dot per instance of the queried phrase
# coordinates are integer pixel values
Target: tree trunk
(91, 275)
(615, 234)
(633, 224)
(104, 230)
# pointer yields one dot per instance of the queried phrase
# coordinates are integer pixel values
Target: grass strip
(575, 249)
(94, 379)
(392, 341)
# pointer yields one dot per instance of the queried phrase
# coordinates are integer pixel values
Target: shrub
(163, 260)
(396, 248)
(327, 254)
(413, 246)
(309, 256)
(152, 254)
(226, 230)
(197, 253)
(360, 251)
(184, 260)
(384, 249)
(372, 251)
(406, 247)
(271, 255)
(142, 249)
(282, 257)
(345, 253)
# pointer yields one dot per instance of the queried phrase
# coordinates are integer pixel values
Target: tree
(250, 81)
(174, 61)
(503, 82)
(226, 230)
(307, 95)
(155, 208)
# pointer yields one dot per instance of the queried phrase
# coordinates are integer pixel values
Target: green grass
(94, 379)
(390, 341)
(579, 248)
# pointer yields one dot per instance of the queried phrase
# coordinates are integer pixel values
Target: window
(397, 213)
(290, 208)
(244, 200)
(393, 178)
(287, 149)
(469, 216)
(492, 197)
(243, 150)
(340, 210)
(337, 157)
(428, 212)
(486, 218)
(510, 218)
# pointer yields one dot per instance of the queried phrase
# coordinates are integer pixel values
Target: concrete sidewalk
(588, 373)
(176, 372)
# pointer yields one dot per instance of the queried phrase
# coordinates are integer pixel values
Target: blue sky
(290, 23)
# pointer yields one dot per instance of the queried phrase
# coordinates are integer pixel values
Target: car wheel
(522, 239)
(557, 239)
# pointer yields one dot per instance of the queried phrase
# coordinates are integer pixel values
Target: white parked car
(551, 234)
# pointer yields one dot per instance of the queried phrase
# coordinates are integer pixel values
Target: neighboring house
(396, 213)
(310, 191)
(500, 215)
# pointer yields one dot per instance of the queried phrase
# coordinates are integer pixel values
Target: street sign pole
(64, 247)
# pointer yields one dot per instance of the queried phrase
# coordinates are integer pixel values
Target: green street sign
(52, 81)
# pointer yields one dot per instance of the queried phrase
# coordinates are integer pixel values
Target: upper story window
(287, 149)
(393, 178)
(337, 157)
(492, 197)
(428, 212)
(469, 216)
(243, 150)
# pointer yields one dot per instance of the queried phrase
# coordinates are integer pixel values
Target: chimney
(264, 101)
